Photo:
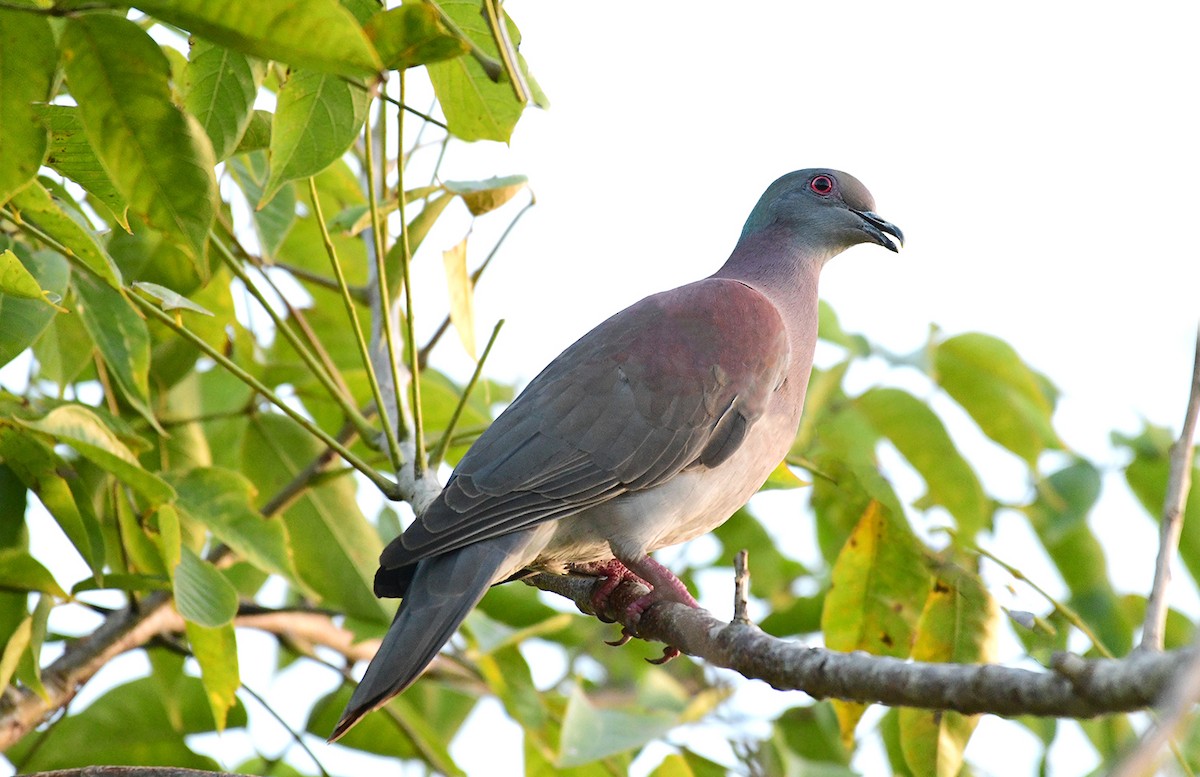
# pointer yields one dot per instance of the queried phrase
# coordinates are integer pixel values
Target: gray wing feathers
(670, 383)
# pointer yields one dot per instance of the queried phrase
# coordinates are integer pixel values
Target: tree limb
(1076, 688)
(1178, 483)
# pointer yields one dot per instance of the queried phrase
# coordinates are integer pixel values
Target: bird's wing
(672, 382)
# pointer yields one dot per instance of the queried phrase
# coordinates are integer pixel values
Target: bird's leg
(665, 586)
(614, 573)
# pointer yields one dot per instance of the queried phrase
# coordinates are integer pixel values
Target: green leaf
(215, 650)
(483, 196)
(222, 500)
(1006, 398)
(412, 34)
(219, 90)
(274, 220)
(157, 156)
(104, 732)
(430, 715)
(1059, 516)
(772, 572)
(16, 281)
(72, 155)
(922, 439)
(26, 319)
(63, 351)
(878, 587)
(83, 430)
(590, 733)
(202, 594)
(335, 549)
(476, 107)
(317, 34)
(37, 206)
(20, 571)
(462, 297)
(959, 624)
(830, 330)
(121, 335)
(28, 60)
(317, 118)
(44, 473)
(15, 646)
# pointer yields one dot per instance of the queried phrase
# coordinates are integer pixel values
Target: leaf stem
(439, 450)
(360, 340)
(410, 340)
(385, 485)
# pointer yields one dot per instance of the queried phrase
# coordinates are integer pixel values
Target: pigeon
(650, 430)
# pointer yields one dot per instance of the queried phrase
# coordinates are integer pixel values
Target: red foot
(669, 653)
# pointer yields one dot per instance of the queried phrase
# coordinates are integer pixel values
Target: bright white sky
(1040, 161)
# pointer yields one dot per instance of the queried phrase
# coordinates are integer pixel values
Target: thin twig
(475, 276)
(439, 450)
(1178, 483)
(338, 392)
(294, 734)
(741, 587)
(385, 485)
(418, 437)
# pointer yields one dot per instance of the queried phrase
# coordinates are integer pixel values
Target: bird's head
(826, 210)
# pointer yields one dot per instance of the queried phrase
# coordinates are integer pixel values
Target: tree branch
(1076, 688)
(1178, 483)
(21, 710)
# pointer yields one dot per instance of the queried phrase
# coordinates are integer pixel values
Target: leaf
(336, 551)
(317, 34)
(1000, 392)
(20, 571)
(72, 155)
(590, 733)
(960, 625)
(83, 430)
(215, 650)
(157, 156)
(430, 716)
(36, 206)
(878, 587)
(104, 732)
(169, 300)
(26, 319)
(258, 133)
(317, 118)
(14, 647)
(121, 335)
(28, 60)
(219, 90)
(16, 281)
(483, 196)
(476, 107)
(921, 438)
(1059, 516)
(412, 34)
(462, 298)
(44, 473)
(202, 594)
(222, 500)
(274, 220)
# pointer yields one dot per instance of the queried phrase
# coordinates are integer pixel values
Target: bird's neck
(778, 263)
(786, 271)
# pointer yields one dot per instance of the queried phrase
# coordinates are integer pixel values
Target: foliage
(151, 182)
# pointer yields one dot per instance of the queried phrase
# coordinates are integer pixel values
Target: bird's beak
(875, 228)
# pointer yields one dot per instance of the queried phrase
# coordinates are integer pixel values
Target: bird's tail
(443, 591)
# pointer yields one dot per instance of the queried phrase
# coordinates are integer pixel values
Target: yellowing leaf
(959, 624)
(462, 306)
(215, 650)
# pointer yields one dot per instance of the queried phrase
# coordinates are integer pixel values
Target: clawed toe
(669, 652)
(626, 635)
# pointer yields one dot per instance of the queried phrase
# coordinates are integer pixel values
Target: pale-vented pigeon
(652, 429)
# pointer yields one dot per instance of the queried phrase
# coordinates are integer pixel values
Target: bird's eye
(821, 184)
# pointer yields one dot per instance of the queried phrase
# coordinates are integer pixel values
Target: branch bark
(1075, 688)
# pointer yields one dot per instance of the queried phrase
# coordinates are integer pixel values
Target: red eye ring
(822, 185)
